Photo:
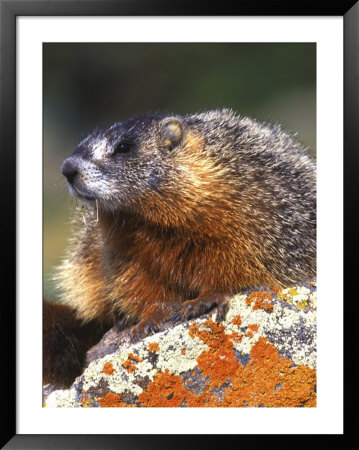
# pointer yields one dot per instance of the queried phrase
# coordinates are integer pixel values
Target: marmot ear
(171, 132)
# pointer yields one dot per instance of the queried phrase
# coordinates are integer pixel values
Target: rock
(262, 355)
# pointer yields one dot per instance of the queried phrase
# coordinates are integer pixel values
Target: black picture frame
(9, 10)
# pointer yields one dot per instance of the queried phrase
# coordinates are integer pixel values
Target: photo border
(9, 11)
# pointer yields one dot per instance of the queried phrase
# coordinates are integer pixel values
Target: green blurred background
(94, 85)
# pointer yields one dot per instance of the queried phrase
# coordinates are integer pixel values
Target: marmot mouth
(80, 195)
(86, 197)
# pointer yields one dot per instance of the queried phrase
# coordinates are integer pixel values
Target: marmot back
(184, 211)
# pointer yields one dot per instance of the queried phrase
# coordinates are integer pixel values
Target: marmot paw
(195, 308)
(142, 330)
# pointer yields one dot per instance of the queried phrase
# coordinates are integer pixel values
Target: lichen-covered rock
(263, 355)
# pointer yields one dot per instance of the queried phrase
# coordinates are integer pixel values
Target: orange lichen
(266, 380)
(129, 366)
(166, 389)
(219, 362)
(269, 380)
(260, 300)
(218, 365)
(183, 351)
(108, 369)
(202, 400)
(237, 320)
(112, 400)
(134, 357)
(236, 337)
(253, 327)
(212, 334)
(128, 363)
(153, 347)
(84, 398)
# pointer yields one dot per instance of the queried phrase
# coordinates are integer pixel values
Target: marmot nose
(69, 169)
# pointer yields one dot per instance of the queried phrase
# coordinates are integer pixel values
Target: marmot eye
(122, 147)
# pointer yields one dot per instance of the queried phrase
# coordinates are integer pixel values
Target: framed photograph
(73, 75)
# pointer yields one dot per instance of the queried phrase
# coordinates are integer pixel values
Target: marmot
(183, 212)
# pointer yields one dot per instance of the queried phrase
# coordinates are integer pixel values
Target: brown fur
(65, 342)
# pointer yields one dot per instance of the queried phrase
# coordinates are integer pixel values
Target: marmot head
(118, 165)
(153, 165)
